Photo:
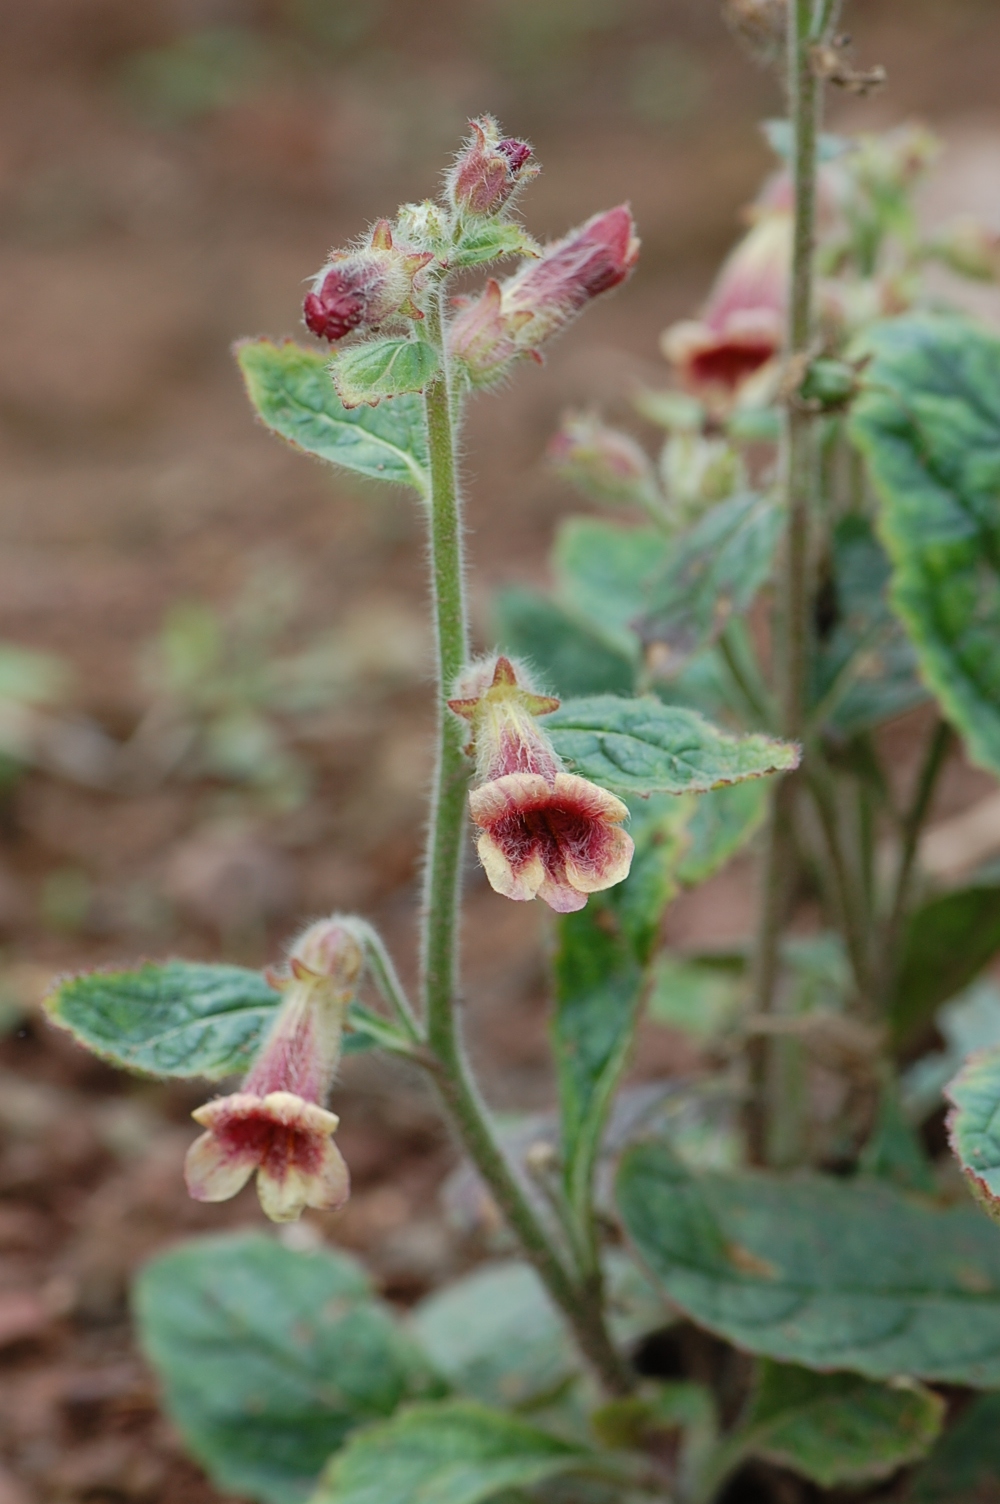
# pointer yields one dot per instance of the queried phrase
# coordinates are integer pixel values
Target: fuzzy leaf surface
(293, 393)
(839, 1428)
(452, 1453)
(380, 368)
(496, 1336)
(569, 658)
(821, 1272)
(181, 1018)
(723, 821)
(485, 240)
(642, 746)
(866, 666)
(602, 569)
(928, 423)
(600, 969)
(974, 1126)
(947, 943)
(269, 1358)
(711, 573)
(965, 1465)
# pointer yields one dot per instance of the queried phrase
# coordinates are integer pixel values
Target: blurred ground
(169, 174)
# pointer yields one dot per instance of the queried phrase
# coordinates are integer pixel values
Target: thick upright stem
(442, 887)
(798, 462)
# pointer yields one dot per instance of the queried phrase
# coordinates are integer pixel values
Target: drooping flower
(277, 1124)
(545, 833)
(518, 315)
(742, 324)
(489, 169)
(361, 289)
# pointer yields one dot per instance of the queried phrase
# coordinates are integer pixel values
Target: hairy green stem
(798, 462)
(442, 888)
(935, 757)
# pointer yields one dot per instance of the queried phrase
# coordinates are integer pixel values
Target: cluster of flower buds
(518, 315)
(489, 170)
(545, 833)
(361, 289)
(604, 462)
(277, 1124)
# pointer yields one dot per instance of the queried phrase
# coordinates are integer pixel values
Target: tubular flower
(489, 169)
(361, 289)
(276, 1125)
(545, 833)
(516, 316)
(742, 325)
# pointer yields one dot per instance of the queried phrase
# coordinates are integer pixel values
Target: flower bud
(515, 317)
(697, 472)
(489, 169)
(604, 462)
(969, 247)
(277, 1125)
(742, 325)
(361, 289)
(545, 833)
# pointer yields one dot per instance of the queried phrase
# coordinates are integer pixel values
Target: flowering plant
(818, 555)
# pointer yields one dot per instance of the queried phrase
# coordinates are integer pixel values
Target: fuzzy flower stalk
(545, 833)
(515, 317)
(277, 1125)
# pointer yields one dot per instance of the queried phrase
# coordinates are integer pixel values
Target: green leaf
(723, 821)
(496, 1336)
(269, 1358)
(600, 970)
(698, 999)
(601, 569)
(974, 1126)
(291, 389)
(569, 659)
(928, 422)
(455, 1453)
(712, 573)
(643, 747)
(484, 240)
(818, 1271)
(964, 1467)
(865, 668)
(380, 368)
(894, 1150)
(837, 1428)
(181, 1018)
(947, 943)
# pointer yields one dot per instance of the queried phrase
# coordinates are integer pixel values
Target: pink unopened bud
(361, 289)
(515, 317)
(277, 1124)
(742, 326)
(602, 461)
(545, 833)
(489, 169)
